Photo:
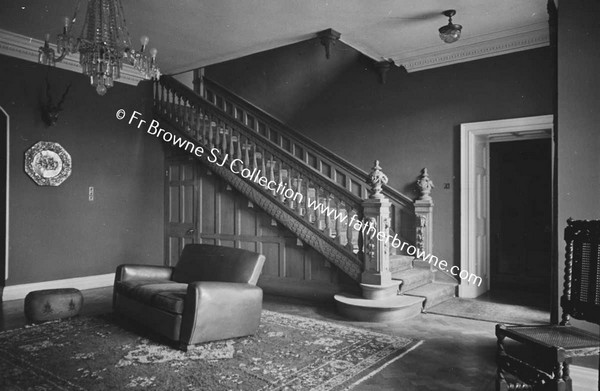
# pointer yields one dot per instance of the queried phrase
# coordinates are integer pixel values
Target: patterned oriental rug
(103, 353)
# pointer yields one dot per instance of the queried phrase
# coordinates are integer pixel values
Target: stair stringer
(344, 259)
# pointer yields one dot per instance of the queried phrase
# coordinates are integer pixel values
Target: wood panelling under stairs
(203, 208)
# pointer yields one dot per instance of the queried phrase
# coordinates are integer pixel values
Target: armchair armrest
(219, 310)
(143, 272)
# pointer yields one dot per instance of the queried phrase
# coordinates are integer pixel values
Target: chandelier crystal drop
(104, 45)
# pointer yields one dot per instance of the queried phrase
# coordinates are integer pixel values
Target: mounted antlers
(50, 110)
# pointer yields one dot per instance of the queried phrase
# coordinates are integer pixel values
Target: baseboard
(16, 292)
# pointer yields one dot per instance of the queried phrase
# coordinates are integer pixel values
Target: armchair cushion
(163, 294)
(172, 301)
(203, 262)
(143, 272)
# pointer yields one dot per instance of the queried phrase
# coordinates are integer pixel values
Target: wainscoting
(202, 208)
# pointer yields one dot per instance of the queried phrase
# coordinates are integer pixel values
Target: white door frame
(482, 133)
(7, 206)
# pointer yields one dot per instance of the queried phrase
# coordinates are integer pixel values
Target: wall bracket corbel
(328, 38)
(382, 67)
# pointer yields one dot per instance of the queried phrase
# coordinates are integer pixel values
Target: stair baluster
(246, 148)
(218, 133)
(290, 185)
(254, 157)
(263, 163)
(349, 230)
(272, 172)
(281, 180)
(238, 153)
(210, 128)
(298, 190)
(224, 139)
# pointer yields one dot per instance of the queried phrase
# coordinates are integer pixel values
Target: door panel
(181, 212)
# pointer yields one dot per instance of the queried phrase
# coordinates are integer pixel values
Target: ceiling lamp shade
(104, 45)
(451, 32)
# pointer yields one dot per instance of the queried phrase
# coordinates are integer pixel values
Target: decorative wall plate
(47, 163)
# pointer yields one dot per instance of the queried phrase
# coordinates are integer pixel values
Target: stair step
(412, 278)
(400, 262)
(389, 309)
(434, 293)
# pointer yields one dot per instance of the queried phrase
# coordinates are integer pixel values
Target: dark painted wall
(55, 232)
(408, 123)
(578, 117)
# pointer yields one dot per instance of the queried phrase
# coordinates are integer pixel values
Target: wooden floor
(457, 354)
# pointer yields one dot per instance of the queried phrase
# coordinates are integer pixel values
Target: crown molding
(25, 48)
(483, 46)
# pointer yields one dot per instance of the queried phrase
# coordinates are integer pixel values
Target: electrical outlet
(91, 193)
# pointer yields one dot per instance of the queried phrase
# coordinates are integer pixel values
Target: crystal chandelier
(104, 45)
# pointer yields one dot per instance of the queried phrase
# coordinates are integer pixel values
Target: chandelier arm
(62, 55)
(104, 45)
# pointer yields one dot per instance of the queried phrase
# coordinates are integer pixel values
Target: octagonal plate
(47, 163)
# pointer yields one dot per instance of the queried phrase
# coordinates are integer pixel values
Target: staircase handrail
(306, 143)
(311, 173)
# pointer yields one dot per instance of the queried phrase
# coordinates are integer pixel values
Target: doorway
(521, 220)
(4, 176)
(476, 239)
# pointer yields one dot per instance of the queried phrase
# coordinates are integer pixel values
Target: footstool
(52, 304)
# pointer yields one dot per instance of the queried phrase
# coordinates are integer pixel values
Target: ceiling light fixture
(104, 45)
(451, 32)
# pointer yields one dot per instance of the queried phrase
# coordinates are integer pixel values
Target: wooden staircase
(237, 136)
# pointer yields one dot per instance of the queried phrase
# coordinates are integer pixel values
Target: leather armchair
(211, 294)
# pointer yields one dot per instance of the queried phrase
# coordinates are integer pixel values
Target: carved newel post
(376, 279)
(424, 212)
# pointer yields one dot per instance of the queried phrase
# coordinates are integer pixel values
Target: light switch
(91, 193)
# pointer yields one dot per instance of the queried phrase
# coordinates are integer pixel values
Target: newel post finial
(425, 185)
(376, 180)
(424, 212)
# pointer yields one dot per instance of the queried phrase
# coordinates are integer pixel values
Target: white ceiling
(194, 33)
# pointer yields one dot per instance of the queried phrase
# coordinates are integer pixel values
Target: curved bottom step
(389, 309)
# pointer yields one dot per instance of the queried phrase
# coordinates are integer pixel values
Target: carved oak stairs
(394, 286)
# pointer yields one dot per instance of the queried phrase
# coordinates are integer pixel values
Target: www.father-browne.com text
(255, 175)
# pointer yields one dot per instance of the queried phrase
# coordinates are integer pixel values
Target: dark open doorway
(521, 220)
